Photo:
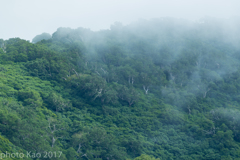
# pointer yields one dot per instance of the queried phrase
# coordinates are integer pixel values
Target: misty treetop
(40, 37)
(154, 89)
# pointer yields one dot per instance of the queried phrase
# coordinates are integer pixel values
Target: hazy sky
(27, 18)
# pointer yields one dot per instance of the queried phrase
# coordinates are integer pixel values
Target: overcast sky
(28, 18)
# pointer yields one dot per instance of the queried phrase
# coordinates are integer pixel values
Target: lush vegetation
(161, 89)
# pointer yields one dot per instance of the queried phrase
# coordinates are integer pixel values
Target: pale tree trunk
(205, 93)
(52, 130)
(146, 89)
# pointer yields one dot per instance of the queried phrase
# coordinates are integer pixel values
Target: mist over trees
(154, 89)
(40, 37)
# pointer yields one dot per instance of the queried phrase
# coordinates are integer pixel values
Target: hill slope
(166, 88)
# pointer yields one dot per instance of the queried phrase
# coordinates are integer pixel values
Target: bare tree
(54, 129)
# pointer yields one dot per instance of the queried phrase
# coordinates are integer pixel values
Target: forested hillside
(166, 88)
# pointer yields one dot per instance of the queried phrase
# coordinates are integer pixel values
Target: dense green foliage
(161, 89)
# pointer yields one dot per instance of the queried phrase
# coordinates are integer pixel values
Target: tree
(128, 73)
(56, 129)
(130, 95)
(146, 157)
(96, 143)
(30, 97)
(57, 102)
(40, 37)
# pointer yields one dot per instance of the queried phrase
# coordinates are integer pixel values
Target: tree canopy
(158, 89)
(40, 37)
